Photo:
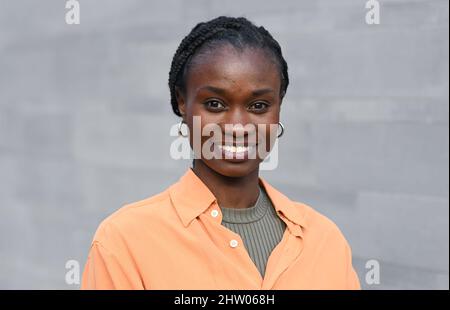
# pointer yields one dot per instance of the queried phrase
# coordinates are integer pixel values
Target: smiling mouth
(239, 149)
(236, 153)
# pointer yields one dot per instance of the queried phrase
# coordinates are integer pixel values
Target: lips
(235, 148)
(236, 153)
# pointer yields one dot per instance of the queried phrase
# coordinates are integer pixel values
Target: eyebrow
(221, 91)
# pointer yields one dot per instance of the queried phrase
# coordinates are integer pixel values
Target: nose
(238, 125)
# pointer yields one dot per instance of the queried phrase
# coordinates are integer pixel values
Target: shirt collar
(191, 197)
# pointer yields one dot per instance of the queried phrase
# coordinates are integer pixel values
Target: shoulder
(135, 218)
(319, 226)
(315, 225)
(328, 250)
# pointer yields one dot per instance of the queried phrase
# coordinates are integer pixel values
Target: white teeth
(235, 149)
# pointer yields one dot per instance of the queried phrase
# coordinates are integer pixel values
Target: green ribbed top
(259, 227)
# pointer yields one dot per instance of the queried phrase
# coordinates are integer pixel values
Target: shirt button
(233, 243)
(214, 213)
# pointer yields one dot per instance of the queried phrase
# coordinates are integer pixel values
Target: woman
(221, 226)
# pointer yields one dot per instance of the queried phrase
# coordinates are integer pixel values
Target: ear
(180, 100)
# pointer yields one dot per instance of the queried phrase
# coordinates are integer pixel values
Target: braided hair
(240, 32)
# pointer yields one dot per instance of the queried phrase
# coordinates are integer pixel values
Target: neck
(230, 192)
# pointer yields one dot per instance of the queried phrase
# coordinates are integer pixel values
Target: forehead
(232, 69)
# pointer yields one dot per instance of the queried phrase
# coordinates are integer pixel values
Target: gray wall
(366, 119)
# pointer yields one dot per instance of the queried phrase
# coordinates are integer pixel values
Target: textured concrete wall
(366, 119)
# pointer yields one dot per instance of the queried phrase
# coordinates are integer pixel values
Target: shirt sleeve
(103, 271)
(352, 276)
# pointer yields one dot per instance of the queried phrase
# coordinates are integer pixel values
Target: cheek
(267, 131)
(268, 136)
(201, 128)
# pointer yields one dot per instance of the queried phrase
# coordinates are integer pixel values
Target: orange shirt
(175, 240)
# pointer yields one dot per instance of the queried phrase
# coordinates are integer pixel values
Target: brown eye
(214, 105)
(259, 106)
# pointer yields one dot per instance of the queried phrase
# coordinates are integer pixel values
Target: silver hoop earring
(180, 133)
(280, 124)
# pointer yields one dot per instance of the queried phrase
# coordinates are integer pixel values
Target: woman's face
(228, 88)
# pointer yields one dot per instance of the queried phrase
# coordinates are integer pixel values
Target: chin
(233, 169)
